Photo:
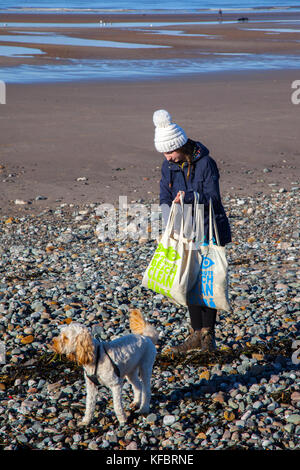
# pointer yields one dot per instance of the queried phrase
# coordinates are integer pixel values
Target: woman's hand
(177, 198)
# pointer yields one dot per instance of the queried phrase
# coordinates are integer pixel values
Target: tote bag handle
(193, 223)
(198, 221)
(212, 221)
(171, 219)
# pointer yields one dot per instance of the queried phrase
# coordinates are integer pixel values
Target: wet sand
(226, 36)
(102, 133)
(52, 134)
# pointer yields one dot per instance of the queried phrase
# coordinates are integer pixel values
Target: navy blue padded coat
(204, 179)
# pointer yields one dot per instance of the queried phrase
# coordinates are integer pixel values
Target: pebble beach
(245, 395)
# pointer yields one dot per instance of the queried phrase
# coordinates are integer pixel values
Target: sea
(86, 69)
(117, 6)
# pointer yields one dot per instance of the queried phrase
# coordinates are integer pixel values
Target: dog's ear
(84, 349)
(72, 357)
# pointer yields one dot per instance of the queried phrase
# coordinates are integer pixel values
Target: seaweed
(198, 358)
(49, 366)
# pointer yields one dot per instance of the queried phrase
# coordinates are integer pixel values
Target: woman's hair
(188, 149)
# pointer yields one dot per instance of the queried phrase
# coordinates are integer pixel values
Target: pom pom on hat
(162, 118)
(168, 135)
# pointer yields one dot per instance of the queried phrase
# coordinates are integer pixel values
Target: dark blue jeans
(202, 317)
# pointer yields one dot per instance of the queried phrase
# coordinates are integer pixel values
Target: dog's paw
(122, 420)
(83, 422)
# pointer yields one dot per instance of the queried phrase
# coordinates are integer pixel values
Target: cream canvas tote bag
(211, 286)
(174, 266)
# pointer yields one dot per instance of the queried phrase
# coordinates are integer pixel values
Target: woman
(188, 168)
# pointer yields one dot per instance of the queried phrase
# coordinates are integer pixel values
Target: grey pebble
(151, 418)
(293, 419)
(168, 420)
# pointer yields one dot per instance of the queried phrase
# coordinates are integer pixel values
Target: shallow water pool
(79, 70)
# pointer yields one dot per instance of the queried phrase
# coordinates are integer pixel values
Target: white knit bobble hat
(168, 136)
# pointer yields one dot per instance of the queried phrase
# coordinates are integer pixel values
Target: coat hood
(200, 152)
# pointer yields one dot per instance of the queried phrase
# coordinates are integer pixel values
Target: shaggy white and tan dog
(130, 357)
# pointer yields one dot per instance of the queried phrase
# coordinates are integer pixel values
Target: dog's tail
(139, 326)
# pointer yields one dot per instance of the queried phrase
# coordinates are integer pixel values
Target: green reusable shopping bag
(173, 268)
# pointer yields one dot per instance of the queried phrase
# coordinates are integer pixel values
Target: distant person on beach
(220, 15)
(188, 167)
